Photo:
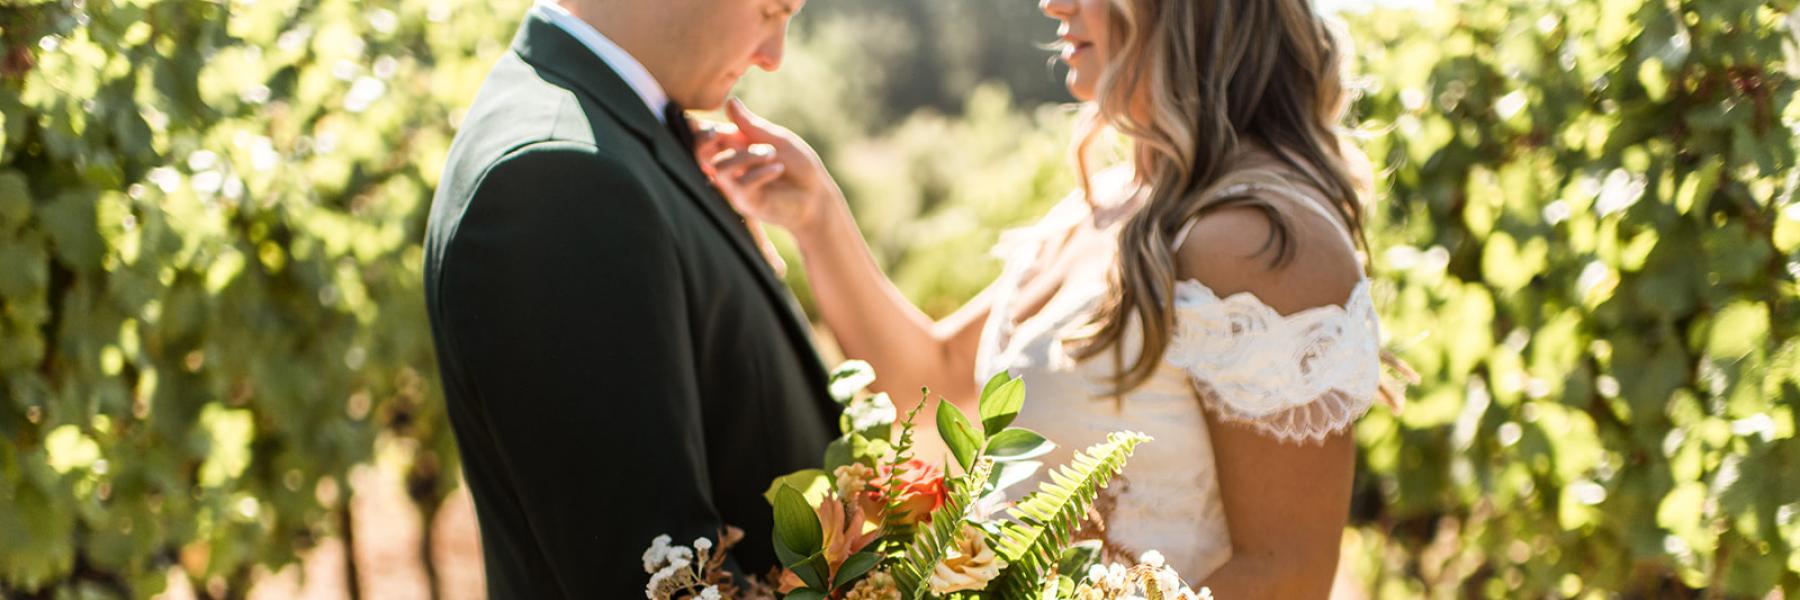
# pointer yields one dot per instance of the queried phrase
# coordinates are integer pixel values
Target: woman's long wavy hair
(1193, 84)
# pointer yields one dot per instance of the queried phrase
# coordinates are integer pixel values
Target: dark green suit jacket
(618, 359)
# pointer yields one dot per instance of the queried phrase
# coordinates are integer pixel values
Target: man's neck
(623, 23)
(611, 39)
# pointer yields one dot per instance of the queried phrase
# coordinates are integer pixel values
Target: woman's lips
(1074, 48)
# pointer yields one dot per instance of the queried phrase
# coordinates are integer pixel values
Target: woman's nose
(1057, 9)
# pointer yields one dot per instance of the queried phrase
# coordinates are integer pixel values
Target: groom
(618, 359)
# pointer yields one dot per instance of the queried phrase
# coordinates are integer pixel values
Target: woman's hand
(768, 173)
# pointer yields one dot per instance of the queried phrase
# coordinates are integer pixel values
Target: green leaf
(15, 200)
(837, 454)
(856, 448)
(1078, 557)
(1010, 473)
(964, 442)
(993, 383)
(805, 594)
(1018, 444)
(797, 529)
(1000, 404)
(1739, 329)
(72, 224)
(811, 483)
(855, 566)
(814, 571)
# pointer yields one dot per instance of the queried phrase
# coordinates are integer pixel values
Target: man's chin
(709, 100)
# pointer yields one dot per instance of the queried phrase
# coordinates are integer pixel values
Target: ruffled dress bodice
(1298, 378)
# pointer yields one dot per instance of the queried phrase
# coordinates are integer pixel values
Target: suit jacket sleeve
(568, 310)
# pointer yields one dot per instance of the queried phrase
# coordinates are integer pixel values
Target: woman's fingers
(753, 127)
(757, 176)
(735, 160)
(743, 191)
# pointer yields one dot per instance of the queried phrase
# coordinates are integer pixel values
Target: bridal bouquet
(876, 523)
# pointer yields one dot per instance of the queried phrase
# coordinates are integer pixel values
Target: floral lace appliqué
(1298, 377)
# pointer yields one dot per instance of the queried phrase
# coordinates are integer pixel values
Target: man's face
(719, 41)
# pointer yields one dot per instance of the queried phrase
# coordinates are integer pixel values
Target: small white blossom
(710, 593)
(657, 555)
(659, 581)
(871, 412)
(702, 544)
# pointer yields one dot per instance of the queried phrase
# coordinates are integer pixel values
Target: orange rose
(921, 490)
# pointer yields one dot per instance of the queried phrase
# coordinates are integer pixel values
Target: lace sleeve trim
(1298, 377)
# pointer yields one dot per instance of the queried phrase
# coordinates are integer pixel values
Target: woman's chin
(1081, 89)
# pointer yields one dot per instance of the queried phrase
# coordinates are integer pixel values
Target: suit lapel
(546, 46)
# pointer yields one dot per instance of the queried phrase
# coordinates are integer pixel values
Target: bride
(1234, 231)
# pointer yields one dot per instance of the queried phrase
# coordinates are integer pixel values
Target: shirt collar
(628, 68)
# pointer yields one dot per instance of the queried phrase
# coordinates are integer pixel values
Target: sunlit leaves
(1608, 179)
(220, 265)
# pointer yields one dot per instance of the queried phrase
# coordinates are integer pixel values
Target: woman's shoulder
(1263, 241)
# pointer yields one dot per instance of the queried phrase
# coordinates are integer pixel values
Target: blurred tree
(1589, 243)
(1587, 240)
(209, 272)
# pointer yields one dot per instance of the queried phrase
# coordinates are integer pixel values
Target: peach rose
(921, 490)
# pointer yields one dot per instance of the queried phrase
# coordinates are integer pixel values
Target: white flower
(1115, 577)
(657, 555)
(1152, 558)
(702, 544)
(970, 565)
(710, 593)
(656, 589)
(1169, 582)
(875, 411)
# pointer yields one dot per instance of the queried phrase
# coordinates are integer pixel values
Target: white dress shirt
(628, 68)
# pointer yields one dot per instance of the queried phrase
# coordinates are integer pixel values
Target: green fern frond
(933, 542)
(1047, 519)
(902, 452)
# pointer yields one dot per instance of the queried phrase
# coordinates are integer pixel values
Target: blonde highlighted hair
(1196, 85)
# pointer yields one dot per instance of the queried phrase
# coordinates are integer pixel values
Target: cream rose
(970, 565)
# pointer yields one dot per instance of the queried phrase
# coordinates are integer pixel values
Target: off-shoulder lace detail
(1298, 377)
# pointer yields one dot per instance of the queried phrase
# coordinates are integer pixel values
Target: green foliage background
(1586, 238)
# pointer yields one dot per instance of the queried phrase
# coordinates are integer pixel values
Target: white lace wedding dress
(1298, 378)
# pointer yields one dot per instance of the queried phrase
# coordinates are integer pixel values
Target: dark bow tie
(677, 120)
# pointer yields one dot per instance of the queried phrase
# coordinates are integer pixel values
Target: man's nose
(768, 54)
